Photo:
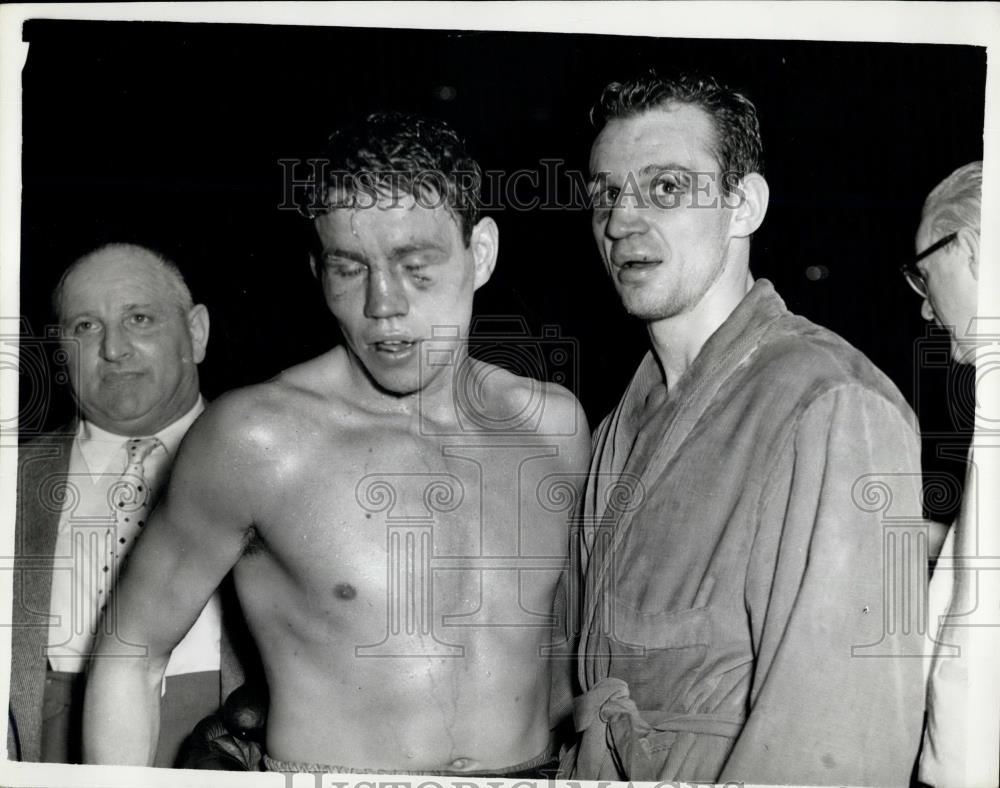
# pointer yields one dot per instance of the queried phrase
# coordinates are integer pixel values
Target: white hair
(956, 202)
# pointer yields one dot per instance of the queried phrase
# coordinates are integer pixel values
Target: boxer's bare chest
(411, 533)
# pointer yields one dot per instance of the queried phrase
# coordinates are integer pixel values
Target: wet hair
(392, 153)
(956, 202)
(737, 145)
(176, 285)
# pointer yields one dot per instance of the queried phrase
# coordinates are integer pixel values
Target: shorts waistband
(299, 767)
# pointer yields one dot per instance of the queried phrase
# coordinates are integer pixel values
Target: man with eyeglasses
(945, 271)
(962, 737)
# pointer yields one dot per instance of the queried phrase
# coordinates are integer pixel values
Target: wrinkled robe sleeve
(823, 708)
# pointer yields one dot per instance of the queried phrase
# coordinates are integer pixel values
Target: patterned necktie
(131, 498)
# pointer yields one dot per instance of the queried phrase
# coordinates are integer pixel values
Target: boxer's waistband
(545, 758)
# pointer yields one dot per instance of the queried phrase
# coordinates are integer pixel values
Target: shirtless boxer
(384, 506)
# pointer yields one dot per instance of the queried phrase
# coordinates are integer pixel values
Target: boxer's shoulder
(257, 423)
(519, 402)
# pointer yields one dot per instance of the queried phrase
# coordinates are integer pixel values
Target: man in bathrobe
(735, 527)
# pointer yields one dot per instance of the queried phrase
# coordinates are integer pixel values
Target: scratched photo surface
(195, 139)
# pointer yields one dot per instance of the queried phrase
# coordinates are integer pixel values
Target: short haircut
(392, 152)
(737, 145)
(956, 202)
(172, 274)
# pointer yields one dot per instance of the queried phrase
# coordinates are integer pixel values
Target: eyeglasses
(913, 276)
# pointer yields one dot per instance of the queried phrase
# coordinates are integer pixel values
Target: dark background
(170, 135)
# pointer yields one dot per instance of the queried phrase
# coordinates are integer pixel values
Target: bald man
(133, 338)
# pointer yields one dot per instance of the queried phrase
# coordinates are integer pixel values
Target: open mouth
(636, 264)
(394, 347)
(634, 271)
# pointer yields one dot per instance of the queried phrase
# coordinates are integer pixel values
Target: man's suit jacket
(43, 490)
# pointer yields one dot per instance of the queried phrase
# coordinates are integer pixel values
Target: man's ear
(312, 265)
(485, 245)
(748, 200)
(198, 326)
(968, 241)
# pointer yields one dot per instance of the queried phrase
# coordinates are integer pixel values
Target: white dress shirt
(97, 460)
(962, 739)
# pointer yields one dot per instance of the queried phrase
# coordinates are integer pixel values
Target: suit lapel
(43, 490)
